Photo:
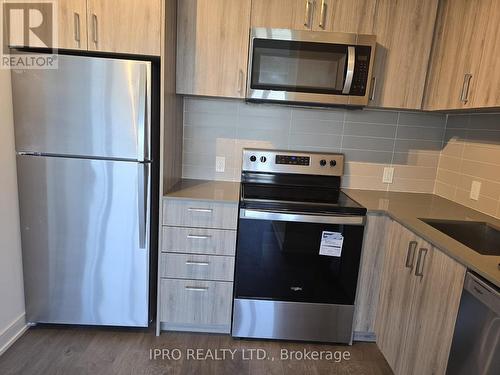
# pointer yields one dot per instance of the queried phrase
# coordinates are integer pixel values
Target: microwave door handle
(351, 58)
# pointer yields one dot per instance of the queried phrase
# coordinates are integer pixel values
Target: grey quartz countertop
(221, 191)
(408, 208)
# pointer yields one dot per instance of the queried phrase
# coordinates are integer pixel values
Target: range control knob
(333, 163)
(322, 162)
(263, 159)
(253, 158)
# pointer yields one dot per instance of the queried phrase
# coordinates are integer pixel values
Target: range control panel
(298, 162)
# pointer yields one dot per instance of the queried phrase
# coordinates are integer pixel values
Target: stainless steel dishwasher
(475, 348)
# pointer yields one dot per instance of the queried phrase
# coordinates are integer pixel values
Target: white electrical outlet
(475, 189)
(220, 163)
(388, 175)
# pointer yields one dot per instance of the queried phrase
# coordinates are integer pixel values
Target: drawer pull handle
(204, 210)
(410, 255)
(198, 237)
(197, 288)
(195, 263)
(419, 271)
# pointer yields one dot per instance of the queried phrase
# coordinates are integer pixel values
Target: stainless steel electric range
(298, 248)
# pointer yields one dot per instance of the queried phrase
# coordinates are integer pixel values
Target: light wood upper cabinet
(282, 14)
(488, 79)
(124, 26)
(404, 32)
(212, 47)
(418, 305)
(72, 22)
(354, 16)
(349, 16)
(456, 55)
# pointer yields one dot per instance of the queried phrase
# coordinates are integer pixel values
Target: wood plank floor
(61, 350)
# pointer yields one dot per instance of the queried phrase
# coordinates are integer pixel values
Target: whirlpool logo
(29, 23)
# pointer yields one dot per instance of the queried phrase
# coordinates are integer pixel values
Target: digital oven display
(293, 160)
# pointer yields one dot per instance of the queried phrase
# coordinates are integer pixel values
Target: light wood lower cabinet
(418, 305)
(196, 305)
(370, 274)
(196, 268)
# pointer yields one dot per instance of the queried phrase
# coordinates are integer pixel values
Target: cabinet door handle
(322, 18)
(464, 96)
(202, 210)
(374, 86)
(76, 21)
(198, 237)
(94, 28)
(410, 255)
(195, 263)
(197, 288)
(307, 19)
(419, 269)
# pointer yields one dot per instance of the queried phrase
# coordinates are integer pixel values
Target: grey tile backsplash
(371, 139)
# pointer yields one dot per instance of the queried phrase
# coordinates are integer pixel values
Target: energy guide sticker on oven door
(331, 244)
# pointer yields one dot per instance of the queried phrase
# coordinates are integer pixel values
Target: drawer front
(196, 302)
(198, 241)
(203, 214)
(199, 267)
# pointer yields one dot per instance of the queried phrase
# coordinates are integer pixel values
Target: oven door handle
(351, 59)
(301, 218)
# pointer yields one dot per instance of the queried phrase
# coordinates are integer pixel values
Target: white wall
(12, 322)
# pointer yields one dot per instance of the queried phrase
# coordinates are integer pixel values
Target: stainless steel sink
(479, 236)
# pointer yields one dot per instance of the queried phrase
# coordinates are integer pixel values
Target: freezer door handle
(143, 203)
(143, 116)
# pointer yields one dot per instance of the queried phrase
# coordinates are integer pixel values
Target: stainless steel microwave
(308, 67)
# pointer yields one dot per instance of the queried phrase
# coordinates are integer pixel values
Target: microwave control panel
(361, 69)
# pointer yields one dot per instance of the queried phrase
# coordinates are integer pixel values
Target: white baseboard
(10, 334)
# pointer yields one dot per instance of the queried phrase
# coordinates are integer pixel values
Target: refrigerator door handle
(143, 203)
(142, 116)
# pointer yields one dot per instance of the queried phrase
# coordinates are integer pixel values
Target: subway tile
(218, 120)
(264, 110)
(368, 156)
(420, 133)
(210, 105)
(488, 188)
(367, 143)
(417, 158)
(407, 145)
(482, 154)
(412, 185)
(316, 126)
(488, 137)
(317, 114)
(319, 140)
(414, 172)
(379, 117)
(481, 170)
(483, 204)
(453, 148)
(364, 169)
(208, 133)
(458, 122)
(261, 122)
(313, 148)
(485, 121)
(448, 177)
(432, 120)
(450, 164)
(363, 182)
(277, 139)
(369, 130)
(444, 190)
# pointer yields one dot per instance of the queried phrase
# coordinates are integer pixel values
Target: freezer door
(95, 107)
(82, 254)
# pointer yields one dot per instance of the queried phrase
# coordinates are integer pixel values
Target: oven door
(306, 66)
(289, 257)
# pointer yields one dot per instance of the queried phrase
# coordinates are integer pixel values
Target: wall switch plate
(388, 175)
(220, 163)
(475, 189)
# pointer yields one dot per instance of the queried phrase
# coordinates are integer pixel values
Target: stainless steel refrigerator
(84, 160)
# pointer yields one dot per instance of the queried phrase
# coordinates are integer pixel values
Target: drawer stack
(197, 265)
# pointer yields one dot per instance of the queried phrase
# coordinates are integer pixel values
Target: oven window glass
(298, 66)
(280, 260)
